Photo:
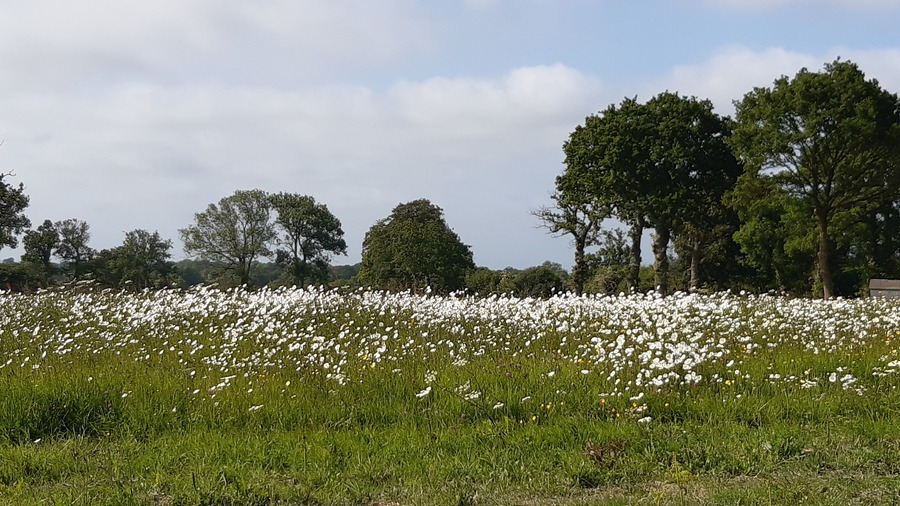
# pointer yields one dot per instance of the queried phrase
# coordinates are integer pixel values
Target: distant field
(318, 397)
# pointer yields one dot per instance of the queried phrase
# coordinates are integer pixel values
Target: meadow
(294, 396)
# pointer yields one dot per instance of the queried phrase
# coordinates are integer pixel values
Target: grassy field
(309, 397)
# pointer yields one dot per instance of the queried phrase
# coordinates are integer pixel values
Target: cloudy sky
(131, 114)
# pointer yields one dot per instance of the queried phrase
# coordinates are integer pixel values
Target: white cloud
(49, 43)
(526, 97)
(731, 72)
(149, 156)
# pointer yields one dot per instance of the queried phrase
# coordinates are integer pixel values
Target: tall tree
(13, 221)
(829, 138)
(414, 248)
(40, 244)
(693, 168)
(233, 233)
(72, 248)
(309, 235)
(603, 158)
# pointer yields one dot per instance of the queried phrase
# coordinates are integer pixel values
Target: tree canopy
(13, 221)
(663, 164)
(413, 248)
(141, 261)
(40, 245)
(233, 233)
(308, 235)
(72, 248)
(829, 139)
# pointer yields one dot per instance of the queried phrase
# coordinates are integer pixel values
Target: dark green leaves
(414, 248)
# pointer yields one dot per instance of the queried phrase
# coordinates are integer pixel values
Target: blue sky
(134, 114)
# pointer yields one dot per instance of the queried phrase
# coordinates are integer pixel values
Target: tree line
(799, 193)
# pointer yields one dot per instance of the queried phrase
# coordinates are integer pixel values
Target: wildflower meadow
(312, 396)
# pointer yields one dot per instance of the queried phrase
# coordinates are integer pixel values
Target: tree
(828, 138)
(40, 244)
(142, 261)
(577, 213)
(773, 234)
(705, 233)
(544, 280)
(13, 221)
(602, 159)
(414, 248)
(233, 233)
(72, 248)
(483, 281)
(310, 234)
(652, 163)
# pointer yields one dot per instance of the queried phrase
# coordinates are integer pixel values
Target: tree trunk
(696, 256)
(823, 256)
(779, 269)
(579, 273)
(660, 252)
(634, 266)
(874, 260)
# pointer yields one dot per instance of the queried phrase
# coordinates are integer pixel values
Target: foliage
(413, 248)
(142, 261)
(20, 277)
(192, 272)
(268, 274)
(664, 162)
(829, 139)
(310, 234)
(40, 245)
(233, 233)
(774, 235)
(543, 280)
(578, 213)
(483, 281)
(13, 221)
(72, 248)
(610, 264)
(344, 273)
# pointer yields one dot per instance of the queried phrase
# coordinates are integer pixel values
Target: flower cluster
(630, 344)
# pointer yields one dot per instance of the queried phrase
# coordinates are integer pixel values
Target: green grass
(123, 399)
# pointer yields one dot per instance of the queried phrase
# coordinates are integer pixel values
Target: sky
(133, 114)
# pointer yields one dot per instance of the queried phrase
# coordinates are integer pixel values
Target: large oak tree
(828, 138)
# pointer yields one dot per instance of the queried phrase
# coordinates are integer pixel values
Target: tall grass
(296, 396)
